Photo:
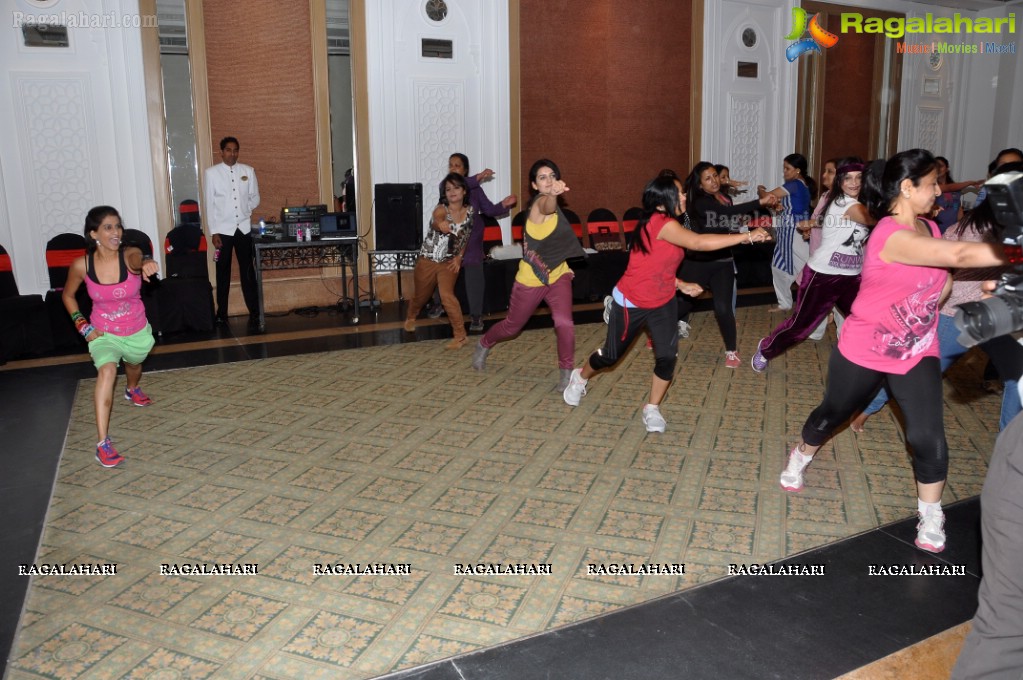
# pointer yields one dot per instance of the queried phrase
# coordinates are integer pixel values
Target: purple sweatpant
(524, 301)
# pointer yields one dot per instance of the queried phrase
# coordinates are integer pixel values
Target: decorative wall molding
(439, 127)
(930, 122)
(746, 116)
(55, 118)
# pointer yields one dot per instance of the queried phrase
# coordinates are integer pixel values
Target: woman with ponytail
(645, 295)
(891, 332)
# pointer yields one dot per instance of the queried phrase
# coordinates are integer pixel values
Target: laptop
(338, 226)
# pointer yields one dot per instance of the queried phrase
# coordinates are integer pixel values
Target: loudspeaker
(399, 216)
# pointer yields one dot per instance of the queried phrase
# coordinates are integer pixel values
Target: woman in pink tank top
(890, 332)
(113, 275)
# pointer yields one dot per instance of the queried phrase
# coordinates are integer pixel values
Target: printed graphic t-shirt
(894, 320)
(842, 242)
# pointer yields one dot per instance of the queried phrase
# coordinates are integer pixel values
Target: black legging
(918, 393)
(719, 278)
(624, 324)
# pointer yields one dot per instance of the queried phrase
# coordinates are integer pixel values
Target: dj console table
(344, 253)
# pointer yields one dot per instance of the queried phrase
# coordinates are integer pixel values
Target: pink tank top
(116, 307)
(894, 319)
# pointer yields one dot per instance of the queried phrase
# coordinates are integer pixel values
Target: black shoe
(220, 321)
(476, 324)
(435, 312)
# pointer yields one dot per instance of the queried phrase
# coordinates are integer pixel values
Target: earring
(906, 194)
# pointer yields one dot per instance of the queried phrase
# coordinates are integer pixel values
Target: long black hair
(798, 161)
(882, 181)
(692, 185)
(660, 195)
(948, 170)
(94, 219)
(843, 167)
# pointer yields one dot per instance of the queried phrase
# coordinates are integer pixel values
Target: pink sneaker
(732, 359)
(137, 397)
(107, 455)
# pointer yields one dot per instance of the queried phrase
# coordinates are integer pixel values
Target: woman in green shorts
(113, 275)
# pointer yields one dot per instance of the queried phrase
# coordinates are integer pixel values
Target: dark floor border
(742, 626)
(791, 627)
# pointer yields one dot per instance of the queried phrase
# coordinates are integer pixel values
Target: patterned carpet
(401, 455)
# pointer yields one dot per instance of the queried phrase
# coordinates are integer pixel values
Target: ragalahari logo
(818, 36)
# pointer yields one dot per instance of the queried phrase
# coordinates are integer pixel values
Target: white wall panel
(424, 109)
(76, 133)
(748, 123)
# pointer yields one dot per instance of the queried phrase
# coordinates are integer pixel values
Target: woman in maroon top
(645, 295)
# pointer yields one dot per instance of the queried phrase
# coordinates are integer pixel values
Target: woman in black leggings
(711, 212)
(891, 333)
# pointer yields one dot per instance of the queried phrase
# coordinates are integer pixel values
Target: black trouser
(918, 393)
(242, 245)
(719, 278)
(625, 323)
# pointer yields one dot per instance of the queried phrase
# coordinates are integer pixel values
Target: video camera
(1002, 313)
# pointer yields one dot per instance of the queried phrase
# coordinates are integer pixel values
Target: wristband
(86, 330)
(80, 321)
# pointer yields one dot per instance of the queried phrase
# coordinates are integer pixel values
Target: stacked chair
(150, 289)
(186, 295)
(61, 251)
(24, 322)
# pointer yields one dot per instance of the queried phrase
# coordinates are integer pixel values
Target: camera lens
(990, 318)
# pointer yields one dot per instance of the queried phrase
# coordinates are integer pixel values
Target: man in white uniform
(231, 194)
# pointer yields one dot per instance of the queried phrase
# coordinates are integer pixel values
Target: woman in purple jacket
(472, 261)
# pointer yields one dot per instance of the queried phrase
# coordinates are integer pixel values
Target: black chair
(24, 321)
(577, 227)
(150, 289)
(492, 235)
(630, 220)
(518, 225)
(604, 230)
(186, 295)
(61, 251)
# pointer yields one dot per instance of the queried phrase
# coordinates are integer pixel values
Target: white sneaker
(792, 475)
(930, 532)
(653, 419)
(576, 389)
(683, 329)
(607, 308)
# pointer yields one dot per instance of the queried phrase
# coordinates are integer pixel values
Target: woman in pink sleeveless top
(113, 275)
(891, 331)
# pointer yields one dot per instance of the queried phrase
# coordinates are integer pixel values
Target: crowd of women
(874, 255)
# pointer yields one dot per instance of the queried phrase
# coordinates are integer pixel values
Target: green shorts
(111, 349)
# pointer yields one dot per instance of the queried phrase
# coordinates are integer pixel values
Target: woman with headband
(832, 275)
